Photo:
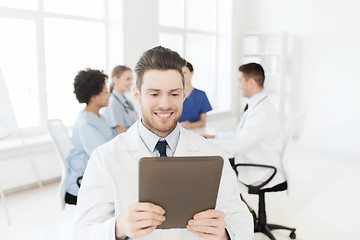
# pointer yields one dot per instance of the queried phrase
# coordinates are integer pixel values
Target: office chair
(261, 224)
(63, 144)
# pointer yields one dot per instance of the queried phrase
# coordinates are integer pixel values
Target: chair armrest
(79, 180)
(257, 187)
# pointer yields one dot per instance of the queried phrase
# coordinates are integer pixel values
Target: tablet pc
(183, 186)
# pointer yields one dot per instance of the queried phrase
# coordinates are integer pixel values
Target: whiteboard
(8, 124)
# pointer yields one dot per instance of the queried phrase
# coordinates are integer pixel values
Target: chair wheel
(292, 235)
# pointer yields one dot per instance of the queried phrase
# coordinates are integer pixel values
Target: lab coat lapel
(186, 146)
(142, 150)
(134, 145)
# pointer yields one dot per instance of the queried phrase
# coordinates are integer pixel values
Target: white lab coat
(258, 139)
(110, 184)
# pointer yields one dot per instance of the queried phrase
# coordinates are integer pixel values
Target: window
(22, 4)
(43, 44)
(200, 31)
(69, 47)
(19, 66)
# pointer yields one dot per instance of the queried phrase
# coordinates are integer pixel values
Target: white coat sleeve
(249, 135)
(226, 135)
(237, 215)
(95, 213)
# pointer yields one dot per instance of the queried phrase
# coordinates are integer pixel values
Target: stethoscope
(126, 107)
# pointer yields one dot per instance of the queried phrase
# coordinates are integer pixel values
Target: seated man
(108, 206)
(258, 138)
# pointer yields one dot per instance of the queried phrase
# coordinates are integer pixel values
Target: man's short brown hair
(254, 71)
(159, 58)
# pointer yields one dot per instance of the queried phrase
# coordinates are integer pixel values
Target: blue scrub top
(194, 105)
(120, 112)
(89, 132)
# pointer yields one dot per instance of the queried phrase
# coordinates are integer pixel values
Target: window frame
(183, 31)
(38, 16)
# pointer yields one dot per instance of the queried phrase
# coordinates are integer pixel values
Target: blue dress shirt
(150, 140)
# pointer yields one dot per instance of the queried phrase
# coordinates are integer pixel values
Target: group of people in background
(108, 113)
(108, 206)
(169, 105)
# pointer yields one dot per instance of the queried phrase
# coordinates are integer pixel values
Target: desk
(204, 130)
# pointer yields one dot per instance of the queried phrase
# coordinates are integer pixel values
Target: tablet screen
(183, 186)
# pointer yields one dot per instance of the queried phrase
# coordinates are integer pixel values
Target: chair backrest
(63, 145)
(60, 137)
(290, 124)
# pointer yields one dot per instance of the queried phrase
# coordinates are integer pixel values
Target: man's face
(161, 99)
(244, 85)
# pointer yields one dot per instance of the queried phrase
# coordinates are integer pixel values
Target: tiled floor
(36, 215)
(322, 203)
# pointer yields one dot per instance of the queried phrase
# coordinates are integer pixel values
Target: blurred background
(310, 51)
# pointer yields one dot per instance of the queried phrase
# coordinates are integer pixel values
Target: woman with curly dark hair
(90, 129)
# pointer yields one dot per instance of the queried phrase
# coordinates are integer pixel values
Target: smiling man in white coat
(258, 138)
(108, 206)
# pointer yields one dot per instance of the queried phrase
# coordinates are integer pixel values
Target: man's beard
(157, 127)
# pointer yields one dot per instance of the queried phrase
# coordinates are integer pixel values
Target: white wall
(140, 28)
(133, 30)
(141, 32)
(19, 165)
(324, 64)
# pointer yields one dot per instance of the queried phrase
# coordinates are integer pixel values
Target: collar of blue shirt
(150, 139)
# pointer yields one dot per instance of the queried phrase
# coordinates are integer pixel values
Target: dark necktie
(246, 107)
(161, 147)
